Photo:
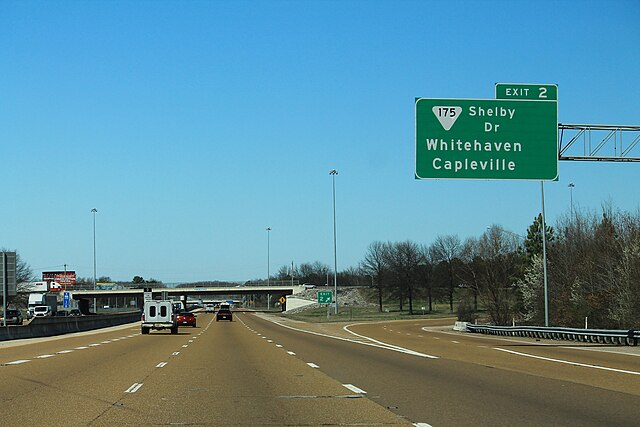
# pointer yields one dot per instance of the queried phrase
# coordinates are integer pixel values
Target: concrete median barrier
(50, 326)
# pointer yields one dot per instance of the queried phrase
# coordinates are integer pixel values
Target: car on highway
(41, 311)
(14, 317)
(224, 314)
(209, 308)
(186, 318)
(158, 315)
(75, 312)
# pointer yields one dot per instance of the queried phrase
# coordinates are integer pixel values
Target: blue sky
(193, 126)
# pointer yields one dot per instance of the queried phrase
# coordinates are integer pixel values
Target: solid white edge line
(386, 345)
(354, 389)
(584, 365)
(313, 365)
(374, 343)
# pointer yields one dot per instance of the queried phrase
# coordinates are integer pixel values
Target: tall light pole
(571, 186)
(333, 174)
(94, 211)
(268, 266)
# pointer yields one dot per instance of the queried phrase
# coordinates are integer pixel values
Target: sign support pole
(5, 289)
(544, 261)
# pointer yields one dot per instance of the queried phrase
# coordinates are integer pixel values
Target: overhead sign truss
(608, 143)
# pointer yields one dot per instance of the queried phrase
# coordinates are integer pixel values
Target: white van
(159, 315)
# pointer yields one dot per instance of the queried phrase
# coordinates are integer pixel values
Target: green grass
(319, 315)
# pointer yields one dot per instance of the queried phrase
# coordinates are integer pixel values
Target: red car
(186, 318)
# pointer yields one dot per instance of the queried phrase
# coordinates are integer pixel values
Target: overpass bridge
(84, 296)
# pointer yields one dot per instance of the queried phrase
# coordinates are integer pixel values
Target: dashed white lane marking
(584, 365)
(81, 348)
(421, 425)
(291, 353)
(161, 365)
(17, 362)
(185, 346)
(456, 342)
(45, 356)
(105, 342)
(313, 365)
(135, 387)
(269, 340)
(64, 351)
(278, 345)
(354, 389)
(93, 345)
(175, 353)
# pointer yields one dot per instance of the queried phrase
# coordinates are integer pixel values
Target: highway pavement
(220, 373)
(272, 371)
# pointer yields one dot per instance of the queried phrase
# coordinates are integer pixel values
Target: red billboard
(65, 278)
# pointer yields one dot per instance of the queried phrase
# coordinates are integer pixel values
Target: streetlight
(333, 174)
(571, 186)
(94, 211)
(268, 266)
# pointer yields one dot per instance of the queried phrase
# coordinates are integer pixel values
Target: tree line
(593, 272)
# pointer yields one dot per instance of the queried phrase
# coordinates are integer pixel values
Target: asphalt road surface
(263, 370)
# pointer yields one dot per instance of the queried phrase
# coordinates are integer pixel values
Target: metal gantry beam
(608, 143)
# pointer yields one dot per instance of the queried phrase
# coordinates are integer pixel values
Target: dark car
(75, 312)
(186, 318)
(14, 317)
(62, 313)
(224, 314)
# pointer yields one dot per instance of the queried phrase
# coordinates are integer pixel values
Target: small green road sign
(486, 139)
(527, 91)
(324, 297)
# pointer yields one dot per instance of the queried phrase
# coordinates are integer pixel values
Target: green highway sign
(486, 139)
(324, 297)
(527, 91)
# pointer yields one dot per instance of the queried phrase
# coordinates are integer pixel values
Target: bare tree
(447, 249)
(404, 259)
(498, 273)
(375, 264)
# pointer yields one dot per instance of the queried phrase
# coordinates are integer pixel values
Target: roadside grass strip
(566, 362)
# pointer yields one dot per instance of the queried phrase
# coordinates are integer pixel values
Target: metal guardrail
(596, 336)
